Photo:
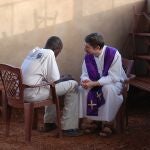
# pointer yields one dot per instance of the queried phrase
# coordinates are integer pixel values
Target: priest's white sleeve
(52, 68)
(114, 72)
(84, 75)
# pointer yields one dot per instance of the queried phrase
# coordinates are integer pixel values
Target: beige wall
(25, 24)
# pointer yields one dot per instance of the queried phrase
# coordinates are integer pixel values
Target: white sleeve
(84, 75)
(52, 68)
(114, 72)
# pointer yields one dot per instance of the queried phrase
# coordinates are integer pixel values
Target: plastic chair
(14, 90)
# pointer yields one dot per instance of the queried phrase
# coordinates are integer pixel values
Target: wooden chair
(122, 116)
(14, 89)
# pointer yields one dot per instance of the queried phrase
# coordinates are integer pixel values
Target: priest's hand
(84, 83)
(89, 84)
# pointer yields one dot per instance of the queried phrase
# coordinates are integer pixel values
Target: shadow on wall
(28, 23)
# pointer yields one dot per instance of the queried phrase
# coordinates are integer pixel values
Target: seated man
(40, 66)
(101, 78)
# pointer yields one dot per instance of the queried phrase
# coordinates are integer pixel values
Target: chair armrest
(130, 77)
(52, 89)
(126, 82)
(64, 78)
(38, 85)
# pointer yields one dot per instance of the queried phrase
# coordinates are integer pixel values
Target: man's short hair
(95, 39)
(54, 43)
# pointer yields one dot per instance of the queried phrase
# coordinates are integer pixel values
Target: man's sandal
(106, 132)
(88, 131)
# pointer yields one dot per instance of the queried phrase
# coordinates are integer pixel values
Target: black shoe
(48, 127)
(72, 132)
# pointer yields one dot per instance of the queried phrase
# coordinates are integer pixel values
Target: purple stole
(95, 97)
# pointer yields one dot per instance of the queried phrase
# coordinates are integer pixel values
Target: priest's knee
(108, 88)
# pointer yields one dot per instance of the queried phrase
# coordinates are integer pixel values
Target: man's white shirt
(39, 67)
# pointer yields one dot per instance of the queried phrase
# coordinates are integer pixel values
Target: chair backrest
(127, 65)
(12, 81)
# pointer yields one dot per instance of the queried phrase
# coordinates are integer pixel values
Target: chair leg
(58, 117)
(35, 119)
(126, 114)
(120, 120)
(125, 111)
(4, 105)
(28, 116)
(7, 114)
(126, 118)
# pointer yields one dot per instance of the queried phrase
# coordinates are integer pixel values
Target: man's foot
(90, 126)
(106, 132)
(48, 127)
(72, 132)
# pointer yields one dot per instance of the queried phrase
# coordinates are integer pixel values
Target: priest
(101, 80)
